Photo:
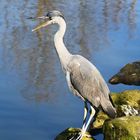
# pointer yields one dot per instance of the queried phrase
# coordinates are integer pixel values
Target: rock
(123, 128)
(70, 132)
(99, 121)
(129, 74)
(127, 103)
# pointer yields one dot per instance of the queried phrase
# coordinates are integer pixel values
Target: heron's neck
(63, 53)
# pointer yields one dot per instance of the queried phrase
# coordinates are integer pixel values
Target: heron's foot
(75, 136)
(80, 135)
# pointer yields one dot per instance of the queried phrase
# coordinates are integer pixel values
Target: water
(35, 102)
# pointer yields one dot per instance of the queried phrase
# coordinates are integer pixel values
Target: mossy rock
(127, 100)
(101, 117)
(126, 127)
(129, 74)
(129, 97)
(71, 132)
(123, 128)
(126, 103)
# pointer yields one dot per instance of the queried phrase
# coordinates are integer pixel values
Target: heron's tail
(108, 107)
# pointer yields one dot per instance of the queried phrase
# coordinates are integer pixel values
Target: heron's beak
(44, 24)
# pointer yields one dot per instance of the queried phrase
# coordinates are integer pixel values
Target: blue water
(35, 103)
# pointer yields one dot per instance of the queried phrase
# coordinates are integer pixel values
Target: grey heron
(83, 78)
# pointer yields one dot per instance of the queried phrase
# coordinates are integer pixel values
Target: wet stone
(123, 128)
(127, 103)
(126, 126)
(72, 132)
(129, 74)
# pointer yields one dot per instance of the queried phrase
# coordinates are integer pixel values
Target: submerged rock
(129, 74)
(123, 128)
(72, 132)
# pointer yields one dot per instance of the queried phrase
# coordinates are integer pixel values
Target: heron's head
(51, 17)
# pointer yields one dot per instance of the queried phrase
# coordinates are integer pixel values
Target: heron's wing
(71, 86)
(87, 80)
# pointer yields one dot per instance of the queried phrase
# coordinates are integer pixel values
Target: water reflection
(93, 28)
(32, 55)
(132, 17)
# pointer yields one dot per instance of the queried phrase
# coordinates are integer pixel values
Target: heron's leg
(84, 120)
(92, 113)
(85, 114)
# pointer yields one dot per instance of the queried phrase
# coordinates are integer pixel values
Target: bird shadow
(95, 132)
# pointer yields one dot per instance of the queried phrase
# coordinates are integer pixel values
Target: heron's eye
(50, 18)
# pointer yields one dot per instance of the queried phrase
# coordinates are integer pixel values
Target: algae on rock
(71, 132)
(126, 127)
(123, 128)
(129, 99)
(99, 121)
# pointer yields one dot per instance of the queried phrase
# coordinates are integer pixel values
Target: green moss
(125, 98)
(128, 97)
(123, 128)
(101, 117)
(70, 132)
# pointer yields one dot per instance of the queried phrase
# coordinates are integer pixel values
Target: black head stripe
(52, 14)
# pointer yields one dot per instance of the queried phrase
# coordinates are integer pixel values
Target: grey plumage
(89, 84)
(83, 78)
